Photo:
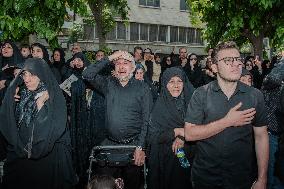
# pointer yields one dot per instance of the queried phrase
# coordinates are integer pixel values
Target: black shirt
(226, 158)
(128, 107)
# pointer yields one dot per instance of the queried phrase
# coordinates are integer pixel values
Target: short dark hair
(137, 48)
(222, 46)
(182, 48)
(100, 50)
(26, 46)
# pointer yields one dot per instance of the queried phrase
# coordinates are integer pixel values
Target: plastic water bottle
(182, 159)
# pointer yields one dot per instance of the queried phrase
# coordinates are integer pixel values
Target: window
(182, 35)
(150, 3)
(198, 38)
(153, 32)
(88, 32)
(163, 32)
(112, 34)
(183, 5)
(134, 31)
(121, 30)
(144, 32)
(190, 35)
(174, 34)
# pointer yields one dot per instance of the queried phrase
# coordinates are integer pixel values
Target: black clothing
(131, 174)
(149, 68)
(12, 61)
(128, 107)
(257, 77)
(165, 171)
(195, 76)
(76, 71)
(59, 65)
(39, 151)
(87, 119)
(272, 103)
(164, 65)
(226, 158)
(127, 114)
(54, 70)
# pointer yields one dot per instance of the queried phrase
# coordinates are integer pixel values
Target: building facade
(162, 25)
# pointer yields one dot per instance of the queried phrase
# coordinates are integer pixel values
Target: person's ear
(214, 68)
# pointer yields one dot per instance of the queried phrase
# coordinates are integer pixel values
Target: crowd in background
(86, 108)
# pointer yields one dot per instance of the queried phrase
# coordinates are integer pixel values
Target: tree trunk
(97, 10)
(32, 39)
(257, 42)
(258, 46)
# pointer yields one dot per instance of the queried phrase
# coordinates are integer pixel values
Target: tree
(104, 13)
(240, 20)
(20, 18)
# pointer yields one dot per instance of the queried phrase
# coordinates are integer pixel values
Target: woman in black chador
(33, 121)
(166, 131)
(11, 56)
(87, 116)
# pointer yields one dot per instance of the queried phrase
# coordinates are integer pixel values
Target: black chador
(165, 171)
(39, 149)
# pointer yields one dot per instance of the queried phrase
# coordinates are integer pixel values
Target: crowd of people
(224, 112)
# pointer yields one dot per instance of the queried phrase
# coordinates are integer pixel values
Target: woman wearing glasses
(193, 71)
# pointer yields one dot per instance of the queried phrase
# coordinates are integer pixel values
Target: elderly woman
(33, 121)
(166, 132)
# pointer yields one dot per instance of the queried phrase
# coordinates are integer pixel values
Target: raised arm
(91, 74)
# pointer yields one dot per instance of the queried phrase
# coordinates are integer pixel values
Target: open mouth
(122, 72)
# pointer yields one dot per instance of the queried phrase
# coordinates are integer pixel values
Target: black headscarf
(44, 51)
(48, 127)
(168, 112)
(77, 71)
(12, 62)
(61, 62)
(16, 58)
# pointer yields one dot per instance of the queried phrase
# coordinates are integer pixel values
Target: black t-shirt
(225, 158)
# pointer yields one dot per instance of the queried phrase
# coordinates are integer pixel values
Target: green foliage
(91, 56)
(239, 19)
(19, 18)
(105, 12)
(75, 33)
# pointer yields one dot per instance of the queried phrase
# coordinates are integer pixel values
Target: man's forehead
(121, 60)
(182, 50)
(230, 52)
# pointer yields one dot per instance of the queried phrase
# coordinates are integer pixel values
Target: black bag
(114, 158)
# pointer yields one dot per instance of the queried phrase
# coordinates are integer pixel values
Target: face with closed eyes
(175, 86)
(124, 69)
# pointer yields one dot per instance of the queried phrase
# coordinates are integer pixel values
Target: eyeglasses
(230, 60)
